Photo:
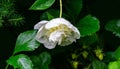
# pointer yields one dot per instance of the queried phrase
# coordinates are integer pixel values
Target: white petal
(40, 35)
(76, 33)
(40, 24)
(57, 22)
(56, 36)
(50, 45)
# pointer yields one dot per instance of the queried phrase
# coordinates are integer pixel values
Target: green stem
(7, 66)
(16, 19)
(60, 8)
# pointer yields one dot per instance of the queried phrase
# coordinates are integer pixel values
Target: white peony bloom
(56, 31)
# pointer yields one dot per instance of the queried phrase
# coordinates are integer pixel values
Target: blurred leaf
(6, 7)
(74, 7)
(41, 4)
(50, 14)
(109, 56)
(114, 65)
(8, 14)
(113, 26)
(42, 61)
(26, 42)
(88, 40)
(117, 53)
(88, 25)
(99, 65)
(16, 19)
(1, 21)
(4, 12)
(20, 61)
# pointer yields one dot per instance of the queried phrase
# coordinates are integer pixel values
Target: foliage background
(104, 10)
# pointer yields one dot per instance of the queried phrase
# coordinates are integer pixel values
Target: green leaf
(20, 61)
(98, 65)
(73, 7)
(41, 4)
(114, 65)
(26, 42)
(109, 56)
(42, 61)
(16, 19)
(117, 53)
(88, 40)
(113, 26)
(50, 14)
(88, 25)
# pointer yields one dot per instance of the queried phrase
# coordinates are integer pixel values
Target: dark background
(104, 10)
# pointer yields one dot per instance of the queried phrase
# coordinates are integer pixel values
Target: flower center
(62, 28)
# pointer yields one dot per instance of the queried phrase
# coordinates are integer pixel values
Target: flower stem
(7, 66)
(60, 8)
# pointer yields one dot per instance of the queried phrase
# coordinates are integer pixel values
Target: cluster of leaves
(114, 27)
(89, 44)
(8, 16)
(27, 42)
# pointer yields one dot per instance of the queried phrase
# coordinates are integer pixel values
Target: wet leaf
(88, 25)
(26, 42)
(114, 27)
(42, 61)
(41, 4)
(20, 61)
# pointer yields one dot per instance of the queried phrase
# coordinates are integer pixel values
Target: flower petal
(40, 37)
(76, 33)
(56, 36)
(50, 45)
(68, 41)
(56, 22)
(40, 24)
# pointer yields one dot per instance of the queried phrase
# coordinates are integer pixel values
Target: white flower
(56, 31)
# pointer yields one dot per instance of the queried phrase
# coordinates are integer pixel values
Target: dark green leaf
(117, 53)
(16, 19)
(114, 65)
(109, 56)
(50, 14)
(26, 42)
(88, 25)
(42, 61)
(74, 7)
(20, 61)
(98, 65)
(42, 4)
(114, 26)
(88, 40)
